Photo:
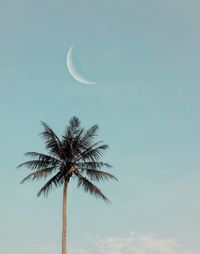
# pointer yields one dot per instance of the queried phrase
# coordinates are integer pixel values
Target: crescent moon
(72, 69)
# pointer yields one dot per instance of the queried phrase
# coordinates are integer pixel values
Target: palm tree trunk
(64, 229)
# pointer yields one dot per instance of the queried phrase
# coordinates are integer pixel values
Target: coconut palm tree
(74, 156)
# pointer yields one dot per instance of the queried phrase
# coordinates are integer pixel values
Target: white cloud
(135, 243)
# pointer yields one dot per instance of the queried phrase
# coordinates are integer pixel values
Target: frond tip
(42, 173)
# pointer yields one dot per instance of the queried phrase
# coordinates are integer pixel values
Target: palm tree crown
(75, 155)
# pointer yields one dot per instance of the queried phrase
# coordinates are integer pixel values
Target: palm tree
(74, 156)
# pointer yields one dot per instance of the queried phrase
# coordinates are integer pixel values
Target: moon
(72, 69)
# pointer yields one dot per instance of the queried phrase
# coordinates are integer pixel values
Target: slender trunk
(64, 229)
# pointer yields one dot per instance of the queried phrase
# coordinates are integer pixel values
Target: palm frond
(35, 164)
(97, 175)
(90, 187)
(93, 152)
(96, 165)
(73, 128)
(76, 139)
(42, 173)
(72, 145)
(76, 144)
(89, 136)
(42, 156)
(55, 181)
(41, 161)
(53, 143)
(74, 123)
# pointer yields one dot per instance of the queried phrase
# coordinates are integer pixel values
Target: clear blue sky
(145, 56)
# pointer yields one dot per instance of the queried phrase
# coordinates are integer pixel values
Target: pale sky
(144, 56)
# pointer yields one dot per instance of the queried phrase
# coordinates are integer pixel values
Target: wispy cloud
(135, 243)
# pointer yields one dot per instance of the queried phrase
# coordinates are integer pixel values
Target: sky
(144, 56)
